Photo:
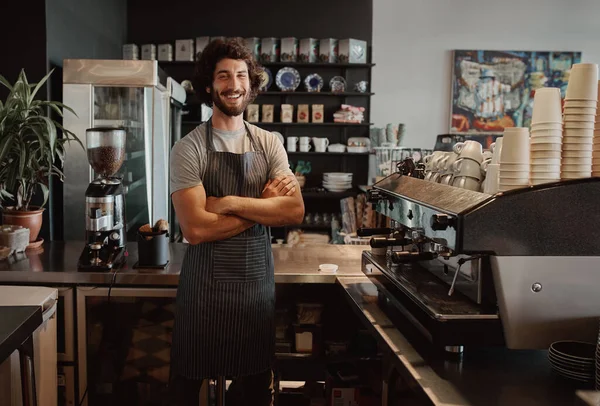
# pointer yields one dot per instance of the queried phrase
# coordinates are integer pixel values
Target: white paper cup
(580, 103)
(546, 147)
(497, 150)
(583, 82)
(490, 184)
(575, 175)
(545, 161)
(578, 140)
(546, 140)
(576, 161)
(513, 182)
(579, 117)
(575, 168)
(514, 167)
(545, 168)
(576, 147)
(578, 132)
(547, 126)
(546, 133)
(515, 145)
(546, 105)
(546, 154)
(580, 110)
(579, 124)
(578, 154)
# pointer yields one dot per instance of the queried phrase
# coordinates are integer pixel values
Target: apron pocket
(240, 259)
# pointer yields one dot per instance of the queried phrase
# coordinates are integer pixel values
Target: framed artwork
(492, 90)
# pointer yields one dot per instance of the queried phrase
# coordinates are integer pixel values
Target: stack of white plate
(337, 181)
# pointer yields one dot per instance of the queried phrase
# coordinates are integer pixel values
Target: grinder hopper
(105, 149)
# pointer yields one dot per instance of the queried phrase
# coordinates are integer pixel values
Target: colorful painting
(492, 90)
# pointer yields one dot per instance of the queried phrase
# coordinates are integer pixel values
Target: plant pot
(31, 219)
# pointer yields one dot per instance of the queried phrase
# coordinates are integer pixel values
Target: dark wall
(23, 41)
(152, 21)
(85, 29)
(79, 29)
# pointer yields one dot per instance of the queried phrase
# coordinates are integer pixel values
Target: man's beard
(231, 111)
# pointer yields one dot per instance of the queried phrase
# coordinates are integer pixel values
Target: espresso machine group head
(104, 201)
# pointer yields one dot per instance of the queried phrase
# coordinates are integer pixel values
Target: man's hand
(280, 186)
(217, 205)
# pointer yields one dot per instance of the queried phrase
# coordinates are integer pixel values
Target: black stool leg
(221, 391)
(27, 373)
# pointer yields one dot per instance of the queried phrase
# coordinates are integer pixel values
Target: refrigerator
(44, 347)
(139, 97)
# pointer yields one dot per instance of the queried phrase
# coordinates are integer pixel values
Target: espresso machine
(519, 269)
(104, 201)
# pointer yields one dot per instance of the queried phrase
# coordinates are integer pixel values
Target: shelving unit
(357, 163)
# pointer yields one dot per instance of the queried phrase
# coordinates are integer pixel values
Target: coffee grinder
(104, 201)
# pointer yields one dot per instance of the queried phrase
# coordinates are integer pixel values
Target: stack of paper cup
(579, 117)
(514, 159)
(546, 136)
(596, 144)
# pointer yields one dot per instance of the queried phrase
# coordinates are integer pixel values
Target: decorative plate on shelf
(313, 82)
(266, 80)
(337, 84)
(287, 79)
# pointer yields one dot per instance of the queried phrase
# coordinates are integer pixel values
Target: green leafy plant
(30, 151)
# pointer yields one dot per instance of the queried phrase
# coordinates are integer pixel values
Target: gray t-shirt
(188, 156)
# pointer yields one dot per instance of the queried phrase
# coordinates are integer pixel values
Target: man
(230, 181)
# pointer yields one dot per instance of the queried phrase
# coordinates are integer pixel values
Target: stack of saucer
(579, 117)
(573, 360)
(337, 181)
(546, 136)
(514, 159)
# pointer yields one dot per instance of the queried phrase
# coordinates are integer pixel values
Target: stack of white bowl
(596, 147)
(579, 117)
(337, 181)
(546, 136)
(514, 159)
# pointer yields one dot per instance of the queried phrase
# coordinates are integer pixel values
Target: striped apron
(225, 306)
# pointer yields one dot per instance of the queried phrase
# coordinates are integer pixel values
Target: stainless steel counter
(56, 263)
(484, 377)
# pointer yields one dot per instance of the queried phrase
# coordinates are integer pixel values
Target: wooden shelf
(260, 124)
(291, 64)
(330, 153)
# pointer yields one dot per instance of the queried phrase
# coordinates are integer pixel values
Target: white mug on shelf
(304, 147)
(320, 144)
(291, 144)
(304, 140)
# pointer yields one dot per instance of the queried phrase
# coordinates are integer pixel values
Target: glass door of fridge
(130, 108)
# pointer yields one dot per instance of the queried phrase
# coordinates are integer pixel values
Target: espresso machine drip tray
(419, 297)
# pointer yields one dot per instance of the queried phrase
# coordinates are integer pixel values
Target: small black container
(153, 249)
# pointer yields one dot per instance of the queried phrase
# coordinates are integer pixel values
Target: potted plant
(30, 152)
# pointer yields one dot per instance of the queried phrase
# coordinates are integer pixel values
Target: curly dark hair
(233, 48)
